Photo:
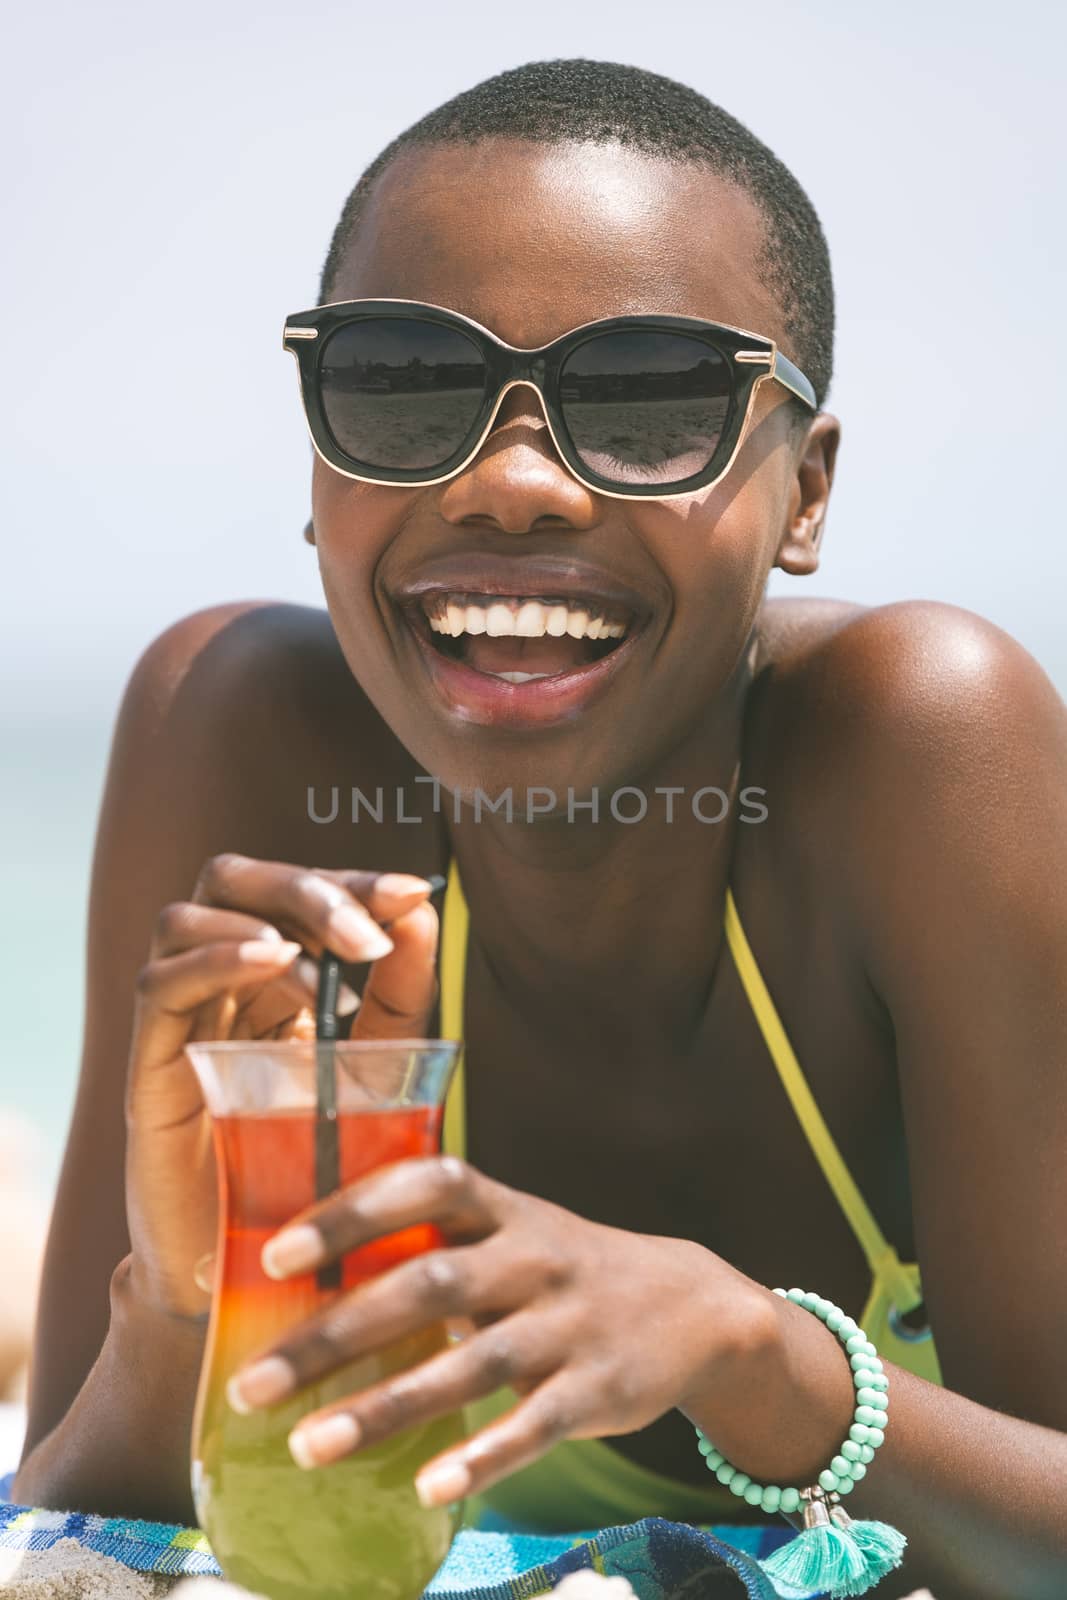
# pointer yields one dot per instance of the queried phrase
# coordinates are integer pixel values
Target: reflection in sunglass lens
(398, 393)
(645, 407)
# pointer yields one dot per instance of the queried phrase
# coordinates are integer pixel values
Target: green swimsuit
(585, 1483)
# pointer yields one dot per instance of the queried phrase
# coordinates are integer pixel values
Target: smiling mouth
(521, 639)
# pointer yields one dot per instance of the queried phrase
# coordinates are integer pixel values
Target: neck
(589, 907)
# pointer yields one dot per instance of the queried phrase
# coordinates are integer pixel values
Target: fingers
(174, 994)
(401, 990)
(551, 1412)
(510, 1352)
(341, 911)
(463, 1203)
(184, 925)
(420, 1293)
(220, 967)
(528, 1431)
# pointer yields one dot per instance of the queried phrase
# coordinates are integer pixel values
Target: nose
(518, 482)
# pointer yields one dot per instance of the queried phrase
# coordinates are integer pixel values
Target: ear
(309, 531)
(798, 552)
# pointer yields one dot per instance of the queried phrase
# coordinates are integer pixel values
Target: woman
(856, 812)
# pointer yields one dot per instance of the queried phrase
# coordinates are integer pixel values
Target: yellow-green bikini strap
(453, 970)
(883, 1260)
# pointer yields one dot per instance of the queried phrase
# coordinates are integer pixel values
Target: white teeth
(520, 617)
(530, 620)
(499, 621)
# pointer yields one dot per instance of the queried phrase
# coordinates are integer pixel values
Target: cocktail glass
(356, 1527)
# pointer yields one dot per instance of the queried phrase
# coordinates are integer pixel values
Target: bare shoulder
(261, 690)
(867, 684)
(234, 655)
(918, 755)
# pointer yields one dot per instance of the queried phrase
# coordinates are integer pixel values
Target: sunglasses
(397, 392)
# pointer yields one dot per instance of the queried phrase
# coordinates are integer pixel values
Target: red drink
(355, 1527)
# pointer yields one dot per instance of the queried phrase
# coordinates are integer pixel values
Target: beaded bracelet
(833, 1554)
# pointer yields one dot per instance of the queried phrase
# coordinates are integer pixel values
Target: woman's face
(531, 241)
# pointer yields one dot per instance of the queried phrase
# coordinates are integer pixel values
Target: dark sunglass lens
(398, 393)
(646, 407)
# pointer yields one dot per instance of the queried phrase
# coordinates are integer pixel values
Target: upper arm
(958, 834)
(169, 802)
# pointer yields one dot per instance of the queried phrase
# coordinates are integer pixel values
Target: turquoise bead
(771, 1498)
(868, 1348)
(823, 1308)
(790, 1500)
(862, 1375)
(860, 1433)
(859, 1363)
(857, 1471)
(872, 1397)
(867, 1415)
(715, 1460)
(844, 1485)
(705, 1446)
(739, 1483)
(834, 1319)
(797, 1296)
(840, 1466)
(866, 1454)
(875, 1436)
(725, 1473)
(754, 1494)
(848, 1328)
(857, 1342)
(878, 1380)
(780, 1292)
(829, 1480)
(875, 1364)
(851, 1450)
(810, 1301)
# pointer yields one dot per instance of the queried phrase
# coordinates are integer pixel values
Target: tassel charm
(822, 1559)
(833, 1555)
(881, 1545)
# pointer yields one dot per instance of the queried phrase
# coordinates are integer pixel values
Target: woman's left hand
(599, 1330)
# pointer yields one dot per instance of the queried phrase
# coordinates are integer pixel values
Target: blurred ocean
(55, 766)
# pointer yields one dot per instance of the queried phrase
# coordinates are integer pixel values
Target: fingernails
(314, 1444)
(364, 942)
(261, 1384)
(204, 1273)
(440, 1485)
(269, 952)
(296, 1250)
(400, 883)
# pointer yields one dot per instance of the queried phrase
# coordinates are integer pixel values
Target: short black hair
(580, 101)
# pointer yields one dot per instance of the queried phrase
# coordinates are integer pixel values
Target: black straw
(327, 1152)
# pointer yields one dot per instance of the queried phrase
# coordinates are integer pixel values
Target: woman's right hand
(232, 963)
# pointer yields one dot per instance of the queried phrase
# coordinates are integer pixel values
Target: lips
(521, 575)
(523, 640)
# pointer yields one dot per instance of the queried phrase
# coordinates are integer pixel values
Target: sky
(172, 176)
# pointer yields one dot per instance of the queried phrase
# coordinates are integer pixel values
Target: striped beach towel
(660, 1559)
